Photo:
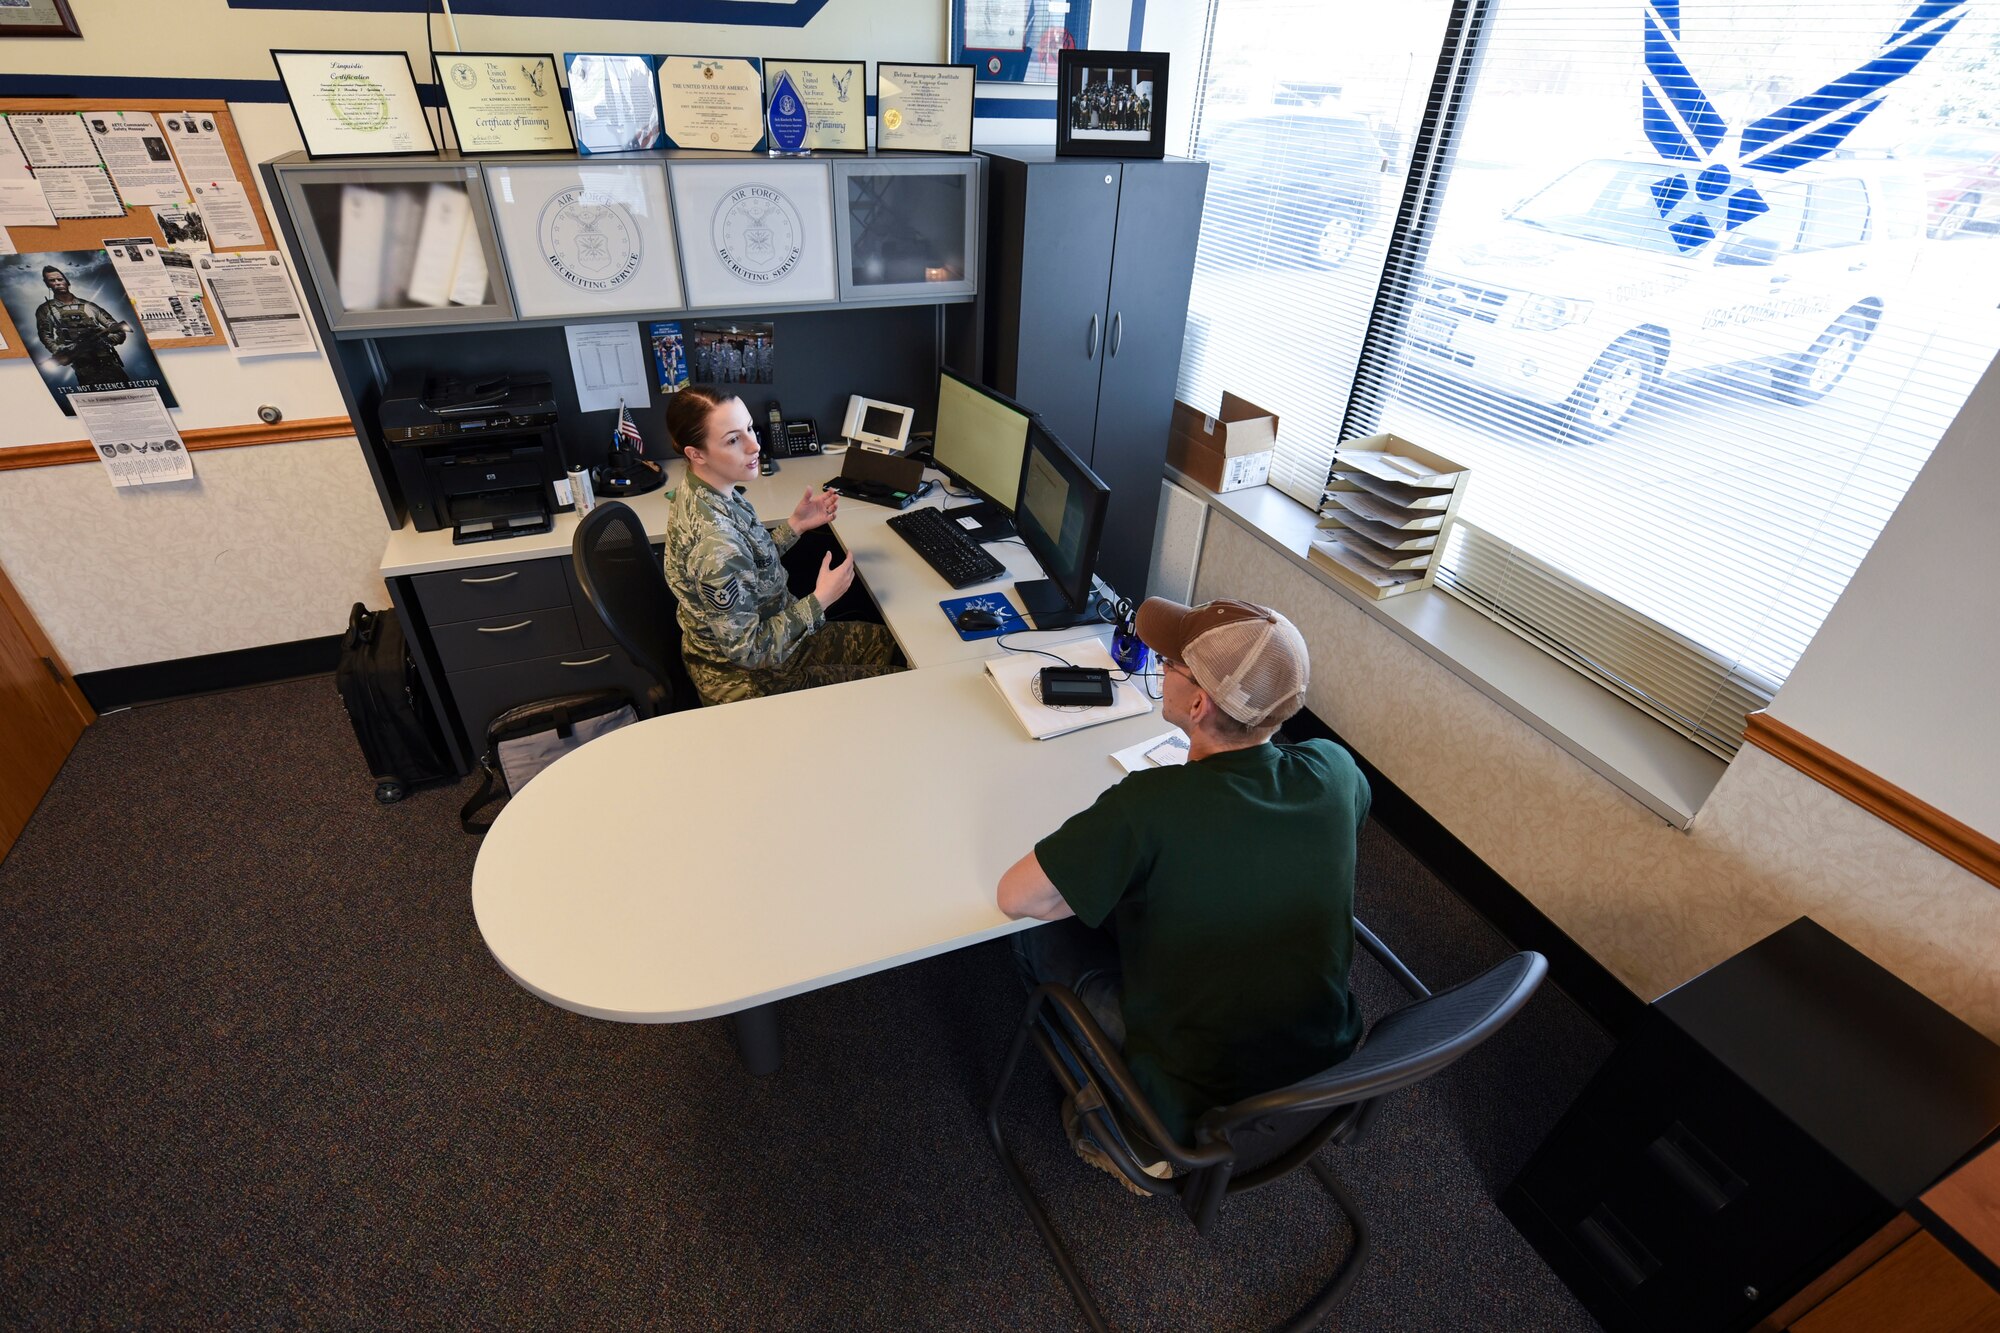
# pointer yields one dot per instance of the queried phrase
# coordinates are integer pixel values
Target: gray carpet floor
(261, 1072)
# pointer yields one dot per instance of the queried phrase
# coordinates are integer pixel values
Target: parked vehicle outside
(1961, 177)
(1308, 184)
(1581, 297)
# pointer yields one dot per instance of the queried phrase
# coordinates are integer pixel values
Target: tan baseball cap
(1251, 660)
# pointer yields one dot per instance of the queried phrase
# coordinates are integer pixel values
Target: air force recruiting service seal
(758, 234)
(590, 241)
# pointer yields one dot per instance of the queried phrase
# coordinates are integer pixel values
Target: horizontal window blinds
(1702, 287)
(1306, 117)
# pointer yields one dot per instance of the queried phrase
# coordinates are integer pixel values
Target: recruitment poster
(77, 325)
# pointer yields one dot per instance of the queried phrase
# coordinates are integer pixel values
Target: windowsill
(1655, 765)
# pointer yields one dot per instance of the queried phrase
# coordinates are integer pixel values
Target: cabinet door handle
(1117, 331)
(591, 662)
(504, 629)
(1091, 353)
(497, 578)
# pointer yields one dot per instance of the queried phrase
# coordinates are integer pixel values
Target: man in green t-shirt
(1212, 902)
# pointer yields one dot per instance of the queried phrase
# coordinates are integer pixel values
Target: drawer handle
(1117, 331)
(504, 629)
(592, 662)
(496, 578)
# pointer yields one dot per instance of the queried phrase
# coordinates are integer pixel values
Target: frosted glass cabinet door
(398, 247)
(907, 229)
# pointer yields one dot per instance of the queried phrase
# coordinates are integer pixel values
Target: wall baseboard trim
(209, 437)
(157, 682)
(1609, 1001)
(1955, 841)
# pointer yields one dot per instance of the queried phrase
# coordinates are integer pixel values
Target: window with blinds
(1699, 290)
(1306, 115)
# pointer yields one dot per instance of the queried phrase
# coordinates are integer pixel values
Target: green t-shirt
(1229, 883)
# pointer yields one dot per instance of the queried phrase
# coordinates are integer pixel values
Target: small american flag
(628, 431)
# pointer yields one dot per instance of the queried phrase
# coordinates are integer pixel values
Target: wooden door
(42, 712)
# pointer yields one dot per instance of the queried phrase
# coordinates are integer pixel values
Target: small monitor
(884, 427)
(981, 442)
(1060, 515)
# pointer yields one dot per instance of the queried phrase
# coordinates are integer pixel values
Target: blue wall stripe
(1137, 33)
(85, 88)
(753, 13)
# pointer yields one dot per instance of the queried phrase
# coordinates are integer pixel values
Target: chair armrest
(1127, 1097)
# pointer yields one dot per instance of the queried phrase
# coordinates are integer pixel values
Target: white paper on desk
(1014, 677)
(53, 139)
(135, 438)
(609, 363)
(169, 304)
(135, 150)
(227, 213)
(203, 155)
(252, 294)
(1167, 750)
(81, 192)
(22, 203)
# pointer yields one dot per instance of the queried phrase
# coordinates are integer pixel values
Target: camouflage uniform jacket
(736, 612)
(78, 332)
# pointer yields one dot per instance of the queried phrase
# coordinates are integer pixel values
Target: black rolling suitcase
(386, 703)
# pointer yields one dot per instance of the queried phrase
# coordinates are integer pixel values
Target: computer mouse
(976, 617)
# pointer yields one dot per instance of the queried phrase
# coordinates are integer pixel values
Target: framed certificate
(924, 108)
(713, 102)
(616, 101)
(834, 98)
(355, 103)
(755, 233)
(504, 102)
(585, 238)
(1016, 41)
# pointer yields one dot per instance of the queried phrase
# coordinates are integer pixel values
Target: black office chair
(1261, 1138)
(621, 579)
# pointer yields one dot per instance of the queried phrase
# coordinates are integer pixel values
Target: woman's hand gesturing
(815, 510)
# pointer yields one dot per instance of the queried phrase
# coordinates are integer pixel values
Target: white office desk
(916, 791)
(907, 590)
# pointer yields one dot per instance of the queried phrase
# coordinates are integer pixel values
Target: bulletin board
(137, 220)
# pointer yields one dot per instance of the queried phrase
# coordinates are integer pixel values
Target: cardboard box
(1227, 451)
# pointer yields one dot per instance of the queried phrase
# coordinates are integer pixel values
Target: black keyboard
(945, 547)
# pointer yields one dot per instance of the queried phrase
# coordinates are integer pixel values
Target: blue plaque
(787, 117)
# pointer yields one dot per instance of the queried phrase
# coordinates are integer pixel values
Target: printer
(478, 456)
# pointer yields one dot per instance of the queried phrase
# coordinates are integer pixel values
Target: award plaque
(833, 96)
(355, 103)
(617, 107)
(924, 108)
(712, 102)
(502, 102)
(787, 118)
(586, 238)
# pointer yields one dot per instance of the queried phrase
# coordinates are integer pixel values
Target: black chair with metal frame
(622, 581)
(1261, 1138)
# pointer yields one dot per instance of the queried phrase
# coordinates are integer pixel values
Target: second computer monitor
(981, 440)
(1060, 515)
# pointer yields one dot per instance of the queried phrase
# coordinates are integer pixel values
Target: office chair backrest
(621, 578)
(1273, 1131)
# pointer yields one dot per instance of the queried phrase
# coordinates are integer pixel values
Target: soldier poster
(80, 330)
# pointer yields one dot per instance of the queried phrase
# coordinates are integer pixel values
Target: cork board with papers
(167, 178)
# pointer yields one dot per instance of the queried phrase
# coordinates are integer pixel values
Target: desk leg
(759, 1043)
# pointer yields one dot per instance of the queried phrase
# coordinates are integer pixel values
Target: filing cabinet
(1757, 1125)
(506, 635)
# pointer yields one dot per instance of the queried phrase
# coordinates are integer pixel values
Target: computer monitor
(981, 442)
(1060, 515)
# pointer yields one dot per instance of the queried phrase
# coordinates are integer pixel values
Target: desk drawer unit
(512, 636)
(484, 693)
(484, 591)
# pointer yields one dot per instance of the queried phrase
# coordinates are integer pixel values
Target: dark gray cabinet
(1088, 266)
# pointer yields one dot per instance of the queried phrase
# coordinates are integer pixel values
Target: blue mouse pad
(1010, 619)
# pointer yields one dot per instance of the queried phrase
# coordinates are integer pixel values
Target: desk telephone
(797, 438)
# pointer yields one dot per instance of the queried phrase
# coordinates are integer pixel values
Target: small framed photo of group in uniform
(1111, 104)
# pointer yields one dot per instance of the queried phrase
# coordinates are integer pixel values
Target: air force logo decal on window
(1714, 192)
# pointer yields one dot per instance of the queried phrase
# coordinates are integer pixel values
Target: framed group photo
(1111, 104)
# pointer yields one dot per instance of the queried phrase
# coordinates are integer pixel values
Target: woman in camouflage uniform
(743, 634)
